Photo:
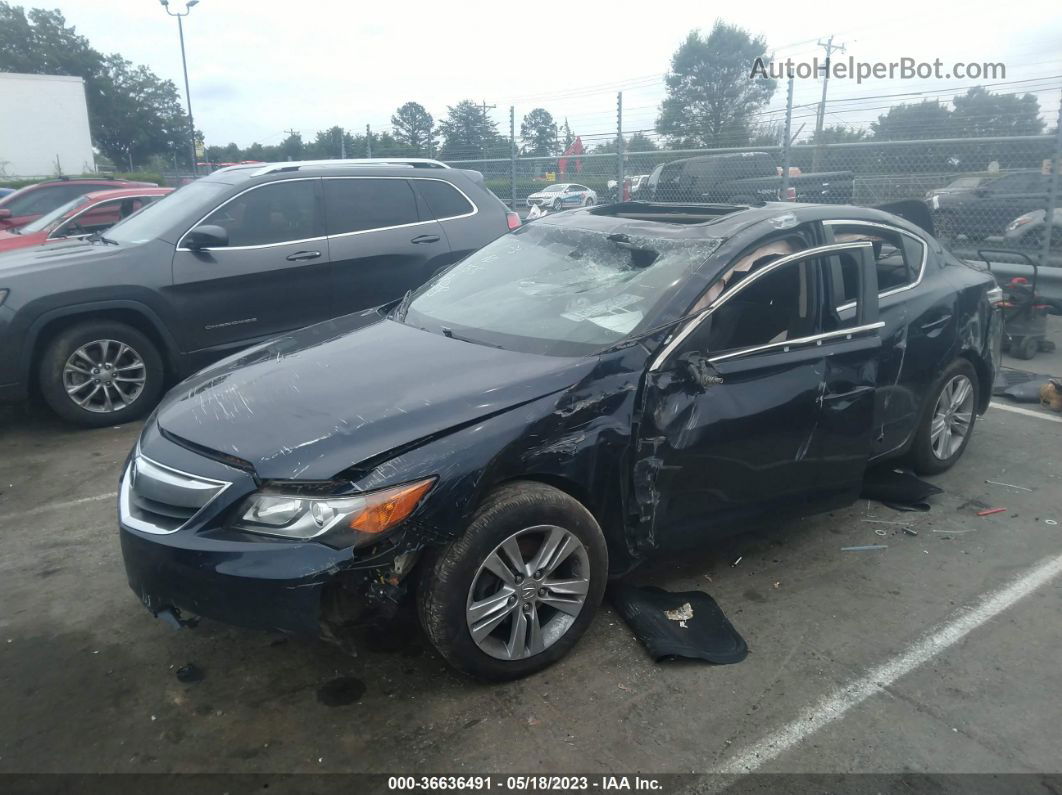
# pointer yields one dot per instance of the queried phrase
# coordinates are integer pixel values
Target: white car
(562, 196)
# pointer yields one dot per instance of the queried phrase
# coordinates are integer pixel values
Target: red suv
(33, 201)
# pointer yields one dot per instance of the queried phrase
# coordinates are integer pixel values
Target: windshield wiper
(399, 312)
(449, 334)
(101, 238)
(628, 342)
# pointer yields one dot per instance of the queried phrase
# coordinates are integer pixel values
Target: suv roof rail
(295, 165)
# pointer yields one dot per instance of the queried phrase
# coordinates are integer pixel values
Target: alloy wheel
(528, 592)
(104, 376)
(952, 417)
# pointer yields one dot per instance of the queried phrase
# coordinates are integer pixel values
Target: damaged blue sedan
(598, 387)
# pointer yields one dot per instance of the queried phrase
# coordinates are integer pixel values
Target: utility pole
(512, 157)
(829, 46)
(1052, 192)
(786, 151)
(486, 107)
(619, 146)
(291, 133)
(368, 141)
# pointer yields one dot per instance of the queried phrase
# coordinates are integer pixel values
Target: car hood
(40, 258)
(318, 401)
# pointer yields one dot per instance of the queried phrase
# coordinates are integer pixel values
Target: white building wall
(44, 126)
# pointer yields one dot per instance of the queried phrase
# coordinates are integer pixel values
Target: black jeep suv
(240, 256)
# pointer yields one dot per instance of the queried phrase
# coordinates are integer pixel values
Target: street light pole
(184, 65)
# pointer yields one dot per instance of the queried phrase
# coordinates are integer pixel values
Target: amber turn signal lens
(384, 509)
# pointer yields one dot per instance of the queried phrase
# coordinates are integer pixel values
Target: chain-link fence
(982, 192)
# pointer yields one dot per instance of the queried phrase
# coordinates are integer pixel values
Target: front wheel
(100, 373)
(558, 205)
(948, 422)
(515, 592)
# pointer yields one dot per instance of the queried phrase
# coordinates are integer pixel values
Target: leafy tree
(980, 113)
(415, 128)
(568, 139)
(926, 119)
(539, 132)
(638, 142)
(468, 132)
(838, 134)
(132, 113)
(291, 148)
(711, 98)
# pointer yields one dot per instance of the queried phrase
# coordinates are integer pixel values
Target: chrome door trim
(889, 227)
(752, 278)
(785, 345)
(180, 240)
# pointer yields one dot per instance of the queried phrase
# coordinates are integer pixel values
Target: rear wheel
(514, 593)
(101, 373)
(948, 421)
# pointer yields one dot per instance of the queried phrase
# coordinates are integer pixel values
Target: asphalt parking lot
(939, 653)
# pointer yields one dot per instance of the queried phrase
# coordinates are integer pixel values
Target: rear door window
(898, 257)
(360, 205)
(443, 199)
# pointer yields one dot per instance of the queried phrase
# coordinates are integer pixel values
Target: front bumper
(258, 586)
(201, 569)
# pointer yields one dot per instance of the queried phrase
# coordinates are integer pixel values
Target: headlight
(1021, 220)
(362, 518)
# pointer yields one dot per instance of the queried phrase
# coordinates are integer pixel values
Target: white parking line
(53, 506)
(837, 704)
(1027, 412)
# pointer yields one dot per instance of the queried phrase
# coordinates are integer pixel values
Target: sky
(260, 68)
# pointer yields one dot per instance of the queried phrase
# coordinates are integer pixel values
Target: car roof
(120, 193)
(699, 221)
(399, 167)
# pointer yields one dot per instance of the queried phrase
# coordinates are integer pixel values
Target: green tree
(638, 142)
(468, 132)
(711, 98)
(839, 134)
(132, 113)
(980, 113)
(539, 132)
(414, 127)
(926, 119)
(568, 138)
(291, 148)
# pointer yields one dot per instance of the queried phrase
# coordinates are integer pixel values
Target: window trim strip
(818, 339)
(894, 290)
(752, 278)
(475, 211)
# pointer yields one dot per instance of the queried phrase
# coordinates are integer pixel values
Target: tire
(1024, 347)
(67, 376)
(557, 205)
(589, 202)
(524, 513)
(928, 456)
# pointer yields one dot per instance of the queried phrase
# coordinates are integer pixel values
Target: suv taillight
(995, 296)
(513, 220)
(790, 194)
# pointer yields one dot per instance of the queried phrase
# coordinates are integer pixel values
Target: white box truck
(44, 126)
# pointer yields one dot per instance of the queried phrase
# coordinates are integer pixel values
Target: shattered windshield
(556, 290)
